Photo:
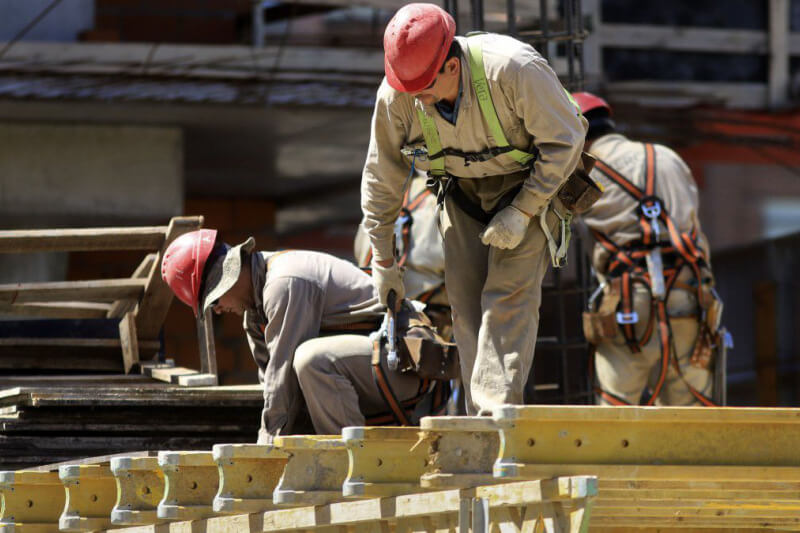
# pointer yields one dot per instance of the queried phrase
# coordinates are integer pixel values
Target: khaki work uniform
(494, 294)
(299, 295)
(620, 371)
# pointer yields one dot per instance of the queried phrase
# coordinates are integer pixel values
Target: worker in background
(487, 118)
(656, 316)
(288, 300)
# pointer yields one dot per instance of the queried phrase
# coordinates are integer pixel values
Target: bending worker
(488, 119)
(659, 317)
(288, 300)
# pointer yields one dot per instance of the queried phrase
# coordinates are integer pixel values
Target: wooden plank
(120, 307)
(65, 291)
(57, 310)
(152, 308)
(179, 375)
(82, 239)
(129, 342)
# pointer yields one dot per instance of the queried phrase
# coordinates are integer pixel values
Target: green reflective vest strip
(481, 87)
(434, 145)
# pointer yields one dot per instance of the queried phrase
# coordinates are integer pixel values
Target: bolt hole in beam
(578, 443)
(625, 443)
(531, 442)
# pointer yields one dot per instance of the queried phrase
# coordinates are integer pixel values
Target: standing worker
(289, 300)
(654, 328)
(488, 119)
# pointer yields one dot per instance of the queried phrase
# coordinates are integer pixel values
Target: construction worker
(288, 300)
(487, 118)
(658, 317)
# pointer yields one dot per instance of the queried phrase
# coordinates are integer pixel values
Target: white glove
(506, 229)
(386, 279)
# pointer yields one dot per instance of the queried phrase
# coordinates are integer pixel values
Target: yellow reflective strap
(434, 145)
(481, 87)
(571, 99)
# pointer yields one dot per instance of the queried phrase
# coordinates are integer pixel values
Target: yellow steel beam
(684, 436)
(30, 502)
(383, 461)
(248, 474)
(315, 471)
(192, 481)
(140, 486)
(462, 450)
(90, 495)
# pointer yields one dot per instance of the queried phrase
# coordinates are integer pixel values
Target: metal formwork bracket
(644, 436)
(30, 501)
(140, 486)
(192, 481)
(383, 461)
(315, 471)
(90, 495)
(462, 450)
(248, 474)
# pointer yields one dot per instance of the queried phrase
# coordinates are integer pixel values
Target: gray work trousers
(335, 375)
(495, 296)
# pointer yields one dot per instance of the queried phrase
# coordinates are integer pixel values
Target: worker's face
(238, 299)
(444, 86)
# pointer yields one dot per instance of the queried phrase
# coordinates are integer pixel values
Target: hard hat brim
(224, 274)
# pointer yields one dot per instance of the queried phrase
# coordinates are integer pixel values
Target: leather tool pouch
(580, 191)
(422, 350)
(601, 325)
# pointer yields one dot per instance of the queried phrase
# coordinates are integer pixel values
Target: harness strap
(385, 389)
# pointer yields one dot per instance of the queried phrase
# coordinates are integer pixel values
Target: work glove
(386, 279)
(506, 229)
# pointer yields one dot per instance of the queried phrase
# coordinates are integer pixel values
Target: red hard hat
(415, 44)
(589, 101)
(183, 263)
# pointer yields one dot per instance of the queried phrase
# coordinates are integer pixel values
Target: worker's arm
(557, 128)
(384, 174)
(255, 338)
(293, 307)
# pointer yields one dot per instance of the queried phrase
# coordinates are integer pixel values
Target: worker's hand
(506, 229)
(386, 278)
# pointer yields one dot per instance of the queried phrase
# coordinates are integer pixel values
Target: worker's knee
(311, 357)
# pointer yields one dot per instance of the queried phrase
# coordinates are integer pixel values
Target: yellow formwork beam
(315, 471)
(248, 474)
(90, 495)
(30, 502)
(191, 482)
(140, 486)
(533, 435)
(383, 461)
(462, 451)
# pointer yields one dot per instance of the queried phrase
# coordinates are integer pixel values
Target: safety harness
(648, 263)
(445, 184)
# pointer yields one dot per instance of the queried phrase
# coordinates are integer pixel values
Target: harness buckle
(627, 318)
